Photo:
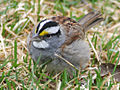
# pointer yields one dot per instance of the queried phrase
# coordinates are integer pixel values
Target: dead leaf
(107, 68)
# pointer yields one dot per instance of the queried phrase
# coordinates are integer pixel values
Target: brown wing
(90, 20)
(76, 30)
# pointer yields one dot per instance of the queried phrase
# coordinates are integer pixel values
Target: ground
(17, 19)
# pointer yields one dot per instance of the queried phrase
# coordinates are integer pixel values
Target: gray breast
(47, 53)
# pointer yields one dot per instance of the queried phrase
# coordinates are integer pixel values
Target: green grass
(17, 70)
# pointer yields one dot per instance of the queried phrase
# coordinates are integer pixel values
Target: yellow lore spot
(35, 30)
(43, 33)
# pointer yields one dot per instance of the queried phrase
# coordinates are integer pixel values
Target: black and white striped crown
(47, 27)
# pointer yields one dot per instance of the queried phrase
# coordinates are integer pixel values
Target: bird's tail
(90, 20)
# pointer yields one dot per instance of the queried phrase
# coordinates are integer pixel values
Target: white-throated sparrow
(64, 36)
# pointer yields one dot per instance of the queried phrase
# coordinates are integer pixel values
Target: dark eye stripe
(48, 25)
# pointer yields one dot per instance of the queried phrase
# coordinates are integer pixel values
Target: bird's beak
(35, 37)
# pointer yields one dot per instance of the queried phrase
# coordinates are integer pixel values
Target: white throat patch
(43, 44)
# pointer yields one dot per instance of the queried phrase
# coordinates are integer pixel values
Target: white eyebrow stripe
(42, 23)
(53, 30)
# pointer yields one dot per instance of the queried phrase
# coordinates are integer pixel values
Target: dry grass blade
(114, 27)
(94, 50)
(25, 14)
(11, 32)
(58, 85)
(41, 2)
(19, 17)
(50, 80)
(2, 40)
(65, 61)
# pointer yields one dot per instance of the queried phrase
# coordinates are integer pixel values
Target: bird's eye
(48, 35)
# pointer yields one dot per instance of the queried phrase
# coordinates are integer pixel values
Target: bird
(63, 36)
